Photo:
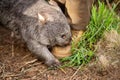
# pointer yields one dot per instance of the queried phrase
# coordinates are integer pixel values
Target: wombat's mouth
(65, 44)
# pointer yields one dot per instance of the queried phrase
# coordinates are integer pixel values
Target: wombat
(40, 25)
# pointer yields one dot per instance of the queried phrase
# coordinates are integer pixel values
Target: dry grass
(108, 49)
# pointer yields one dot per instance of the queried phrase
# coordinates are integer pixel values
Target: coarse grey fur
(22, 16)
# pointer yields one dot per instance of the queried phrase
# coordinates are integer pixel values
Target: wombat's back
(12, 10)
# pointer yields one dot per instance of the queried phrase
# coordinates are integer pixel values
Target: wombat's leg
(42, 52)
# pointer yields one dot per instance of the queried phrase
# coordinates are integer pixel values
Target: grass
(102, 19)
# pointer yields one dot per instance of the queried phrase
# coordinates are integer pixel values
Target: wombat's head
(62, 34)
(58, 28)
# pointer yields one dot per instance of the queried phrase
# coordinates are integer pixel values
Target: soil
(18, 63)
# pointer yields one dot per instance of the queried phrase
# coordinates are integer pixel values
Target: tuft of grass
(102, 19)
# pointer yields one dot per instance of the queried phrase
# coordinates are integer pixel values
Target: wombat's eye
(63, 36)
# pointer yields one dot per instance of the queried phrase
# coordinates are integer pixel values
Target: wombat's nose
(70, 40)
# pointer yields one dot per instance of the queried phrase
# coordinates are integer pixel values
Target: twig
(11, 75)
(76, 72)
(117, 3)
(29, 62)
(32, 61)
(63, 70)
(108, 4)
(26, 56)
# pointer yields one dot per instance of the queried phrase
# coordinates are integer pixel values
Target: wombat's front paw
(53, 63)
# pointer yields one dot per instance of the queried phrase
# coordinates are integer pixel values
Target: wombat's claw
(53, 64)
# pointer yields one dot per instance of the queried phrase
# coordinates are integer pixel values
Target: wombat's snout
(68, 42)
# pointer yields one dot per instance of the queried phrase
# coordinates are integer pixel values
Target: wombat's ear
(41, 18)
(44, 17)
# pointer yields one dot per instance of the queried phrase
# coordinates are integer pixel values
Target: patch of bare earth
(17, 63)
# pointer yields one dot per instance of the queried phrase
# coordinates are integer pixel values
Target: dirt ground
(17, 63)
